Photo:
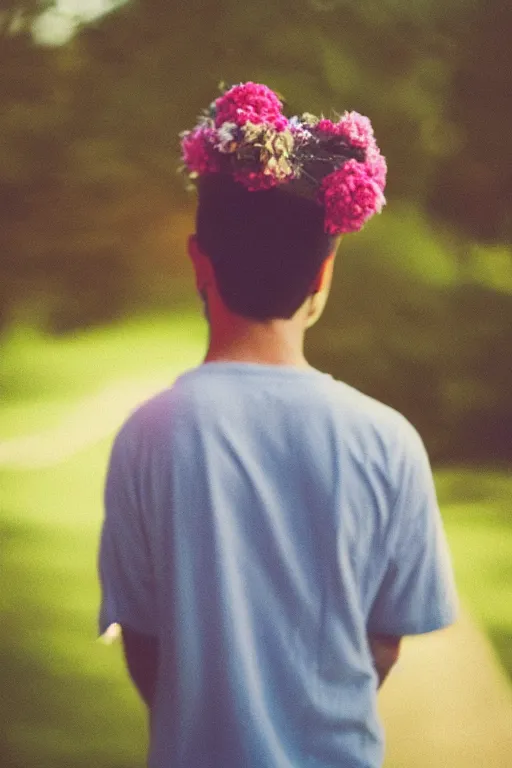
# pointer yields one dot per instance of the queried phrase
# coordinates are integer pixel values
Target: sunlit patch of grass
(34, 366)
(21, 417)
(69, 698)
(42, 378)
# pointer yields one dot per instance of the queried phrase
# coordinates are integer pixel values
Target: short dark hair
(266, 247)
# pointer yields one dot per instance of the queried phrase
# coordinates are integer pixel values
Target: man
(270, 533)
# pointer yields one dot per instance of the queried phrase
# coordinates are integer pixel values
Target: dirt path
(447, 703)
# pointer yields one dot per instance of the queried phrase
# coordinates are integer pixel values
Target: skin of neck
(277, 341)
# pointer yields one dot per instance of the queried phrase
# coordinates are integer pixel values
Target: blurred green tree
(93, 215)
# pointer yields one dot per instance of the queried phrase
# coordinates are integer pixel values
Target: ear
(193, 248)
(202, 266)
(324, 275)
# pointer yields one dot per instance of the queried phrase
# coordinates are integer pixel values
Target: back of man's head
(266, 248)
(275, 192)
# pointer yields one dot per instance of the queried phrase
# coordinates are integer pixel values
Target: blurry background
(97, 309)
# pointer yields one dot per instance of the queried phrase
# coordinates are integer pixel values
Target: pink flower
(376, 166)
(351, 196)
(250, 103)
(356, 128)
(198, 151)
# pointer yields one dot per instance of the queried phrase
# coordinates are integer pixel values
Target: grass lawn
(68, 702)
(477, 512)
(41, 376)
(66, 698)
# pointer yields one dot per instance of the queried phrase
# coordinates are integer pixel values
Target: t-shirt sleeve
(417, 593)
(125, 569)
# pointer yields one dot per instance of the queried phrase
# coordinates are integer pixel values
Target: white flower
(226, 137)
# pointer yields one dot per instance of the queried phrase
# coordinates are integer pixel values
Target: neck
(273, 342)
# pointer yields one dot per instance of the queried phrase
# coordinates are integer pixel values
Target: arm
(385, 650)
(126, 566)
(141, 654)
(416, 590)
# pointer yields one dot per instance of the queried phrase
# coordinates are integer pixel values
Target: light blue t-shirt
(260, 521)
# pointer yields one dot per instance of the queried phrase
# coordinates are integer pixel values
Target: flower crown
(245, 134)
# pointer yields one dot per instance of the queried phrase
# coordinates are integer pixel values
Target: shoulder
(143, 424)
(379, 434)
(373, 415)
